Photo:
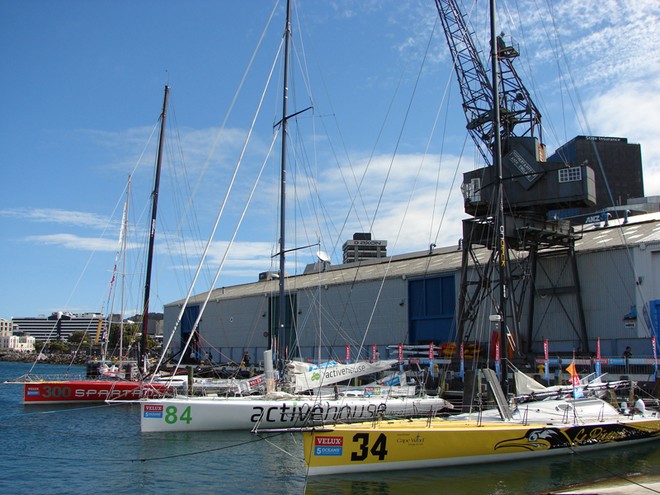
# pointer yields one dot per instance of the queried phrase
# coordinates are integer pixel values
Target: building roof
(640, 229)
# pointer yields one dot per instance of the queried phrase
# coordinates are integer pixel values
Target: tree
(55, 346)
(129, 339)
(78, 339)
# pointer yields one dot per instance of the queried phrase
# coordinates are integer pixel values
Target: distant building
(6, 327)
(57, 326)
(60, 326)
(11, 342)
(155, 323)
(363, 248)
(617, 165)
(649, 204)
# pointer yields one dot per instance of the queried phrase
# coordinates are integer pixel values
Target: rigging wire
(581, 113)
(219, 215)
(224, 257)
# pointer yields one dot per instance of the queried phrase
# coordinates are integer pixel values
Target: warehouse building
(336, 311)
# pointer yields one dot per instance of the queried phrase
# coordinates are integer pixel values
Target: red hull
(86, 391)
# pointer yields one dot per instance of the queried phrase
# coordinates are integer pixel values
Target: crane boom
(519, 116)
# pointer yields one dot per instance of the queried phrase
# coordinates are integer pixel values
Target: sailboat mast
(497, 162)
(124, 242)
(152, 231)
(279, 352)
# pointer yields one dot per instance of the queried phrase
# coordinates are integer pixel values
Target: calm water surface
(100, 450)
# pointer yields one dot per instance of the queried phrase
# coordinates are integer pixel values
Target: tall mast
(497, 161)
(279, 352)
(152, 231)
(124, 242)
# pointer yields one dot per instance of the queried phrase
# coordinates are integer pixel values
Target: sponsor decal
(328, 451)
(328, 446)
(358, 369)
(293, 413)
(153, 411)
(556, 438)
(411, 441)
(91, 391)
(334, 441)
(256, 381)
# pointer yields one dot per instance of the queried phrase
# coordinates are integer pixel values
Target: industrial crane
(523, 186)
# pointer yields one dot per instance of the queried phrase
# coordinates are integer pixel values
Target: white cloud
(54, 215)
(70, 241)
(631, 109)
(425, 182)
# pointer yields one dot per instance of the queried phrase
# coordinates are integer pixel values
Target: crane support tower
(531, 188)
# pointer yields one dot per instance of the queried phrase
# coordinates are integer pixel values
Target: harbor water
(100, 449)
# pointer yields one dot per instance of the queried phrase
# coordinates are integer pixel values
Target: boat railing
(30, 378)
(525, 416)
(638, 369)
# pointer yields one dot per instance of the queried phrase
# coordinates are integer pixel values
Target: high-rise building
(57, 326)
(363, 248)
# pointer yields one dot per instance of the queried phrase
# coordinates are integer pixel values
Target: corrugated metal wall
(610, 287)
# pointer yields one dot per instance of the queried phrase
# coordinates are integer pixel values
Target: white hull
(268, 412)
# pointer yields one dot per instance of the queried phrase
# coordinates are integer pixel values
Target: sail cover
(305, 376)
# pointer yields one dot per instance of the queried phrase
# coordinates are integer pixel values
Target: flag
(575, 380)
(431, 355)
(655, 357)
(547, 361)
(461, 354)
(571, 369)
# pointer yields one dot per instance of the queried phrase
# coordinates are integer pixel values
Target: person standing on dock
(627, 354)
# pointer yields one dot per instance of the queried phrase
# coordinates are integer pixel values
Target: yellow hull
(412, 444)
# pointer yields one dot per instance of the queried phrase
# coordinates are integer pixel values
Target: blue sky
(81, 88)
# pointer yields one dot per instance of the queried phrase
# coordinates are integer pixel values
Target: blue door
(188, 320)
(432, 306)
(655, 319)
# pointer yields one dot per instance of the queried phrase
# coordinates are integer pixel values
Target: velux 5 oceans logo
(328, 446)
